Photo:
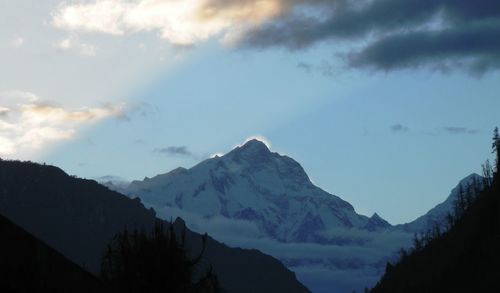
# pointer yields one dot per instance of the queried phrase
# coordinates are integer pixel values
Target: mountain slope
(75, 216)
(29, 265)
(437, 215)
(465, 259)
(251, 183)
(254, 198)
(79, 217)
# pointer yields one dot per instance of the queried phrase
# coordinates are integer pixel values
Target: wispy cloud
(17, 42)
(325, 68)
(73, 44)
(460, 130)
(175, 151)
(367, 257)
(27, 123)
(4, 111)
(399, 128)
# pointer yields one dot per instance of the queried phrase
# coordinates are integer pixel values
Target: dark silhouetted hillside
(464, 259)
(29, 265)
(79, 218)
(75, 216)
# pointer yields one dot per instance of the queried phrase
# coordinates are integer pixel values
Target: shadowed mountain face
(29, 265)
(79, 217)
(251, 183)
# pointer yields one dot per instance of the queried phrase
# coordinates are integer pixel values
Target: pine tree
(487, 174)
(450, 219)
(436, 231)
(136, 262)
(496, 149)
(417, 243)
(459, 204)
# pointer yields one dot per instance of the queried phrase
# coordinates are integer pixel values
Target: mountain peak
(255, 144)
(252, 147)
(376, 222)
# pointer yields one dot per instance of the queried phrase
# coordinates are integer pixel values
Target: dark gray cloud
(398, 128)
(174, 151)
(476, 49)
(440, 34)
(460, 130)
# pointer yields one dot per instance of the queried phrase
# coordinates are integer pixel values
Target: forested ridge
(463, 258)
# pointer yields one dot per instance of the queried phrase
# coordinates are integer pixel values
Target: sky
(385, 103)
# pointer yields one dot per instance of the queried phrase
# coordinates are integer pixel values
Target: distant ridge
(437, 215)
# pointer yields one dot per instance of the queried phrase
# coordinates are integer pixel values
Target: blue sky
(391, 137)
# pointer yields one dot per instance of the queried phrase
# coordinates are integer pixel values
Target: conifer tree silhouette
(136, 262)
(496, 149)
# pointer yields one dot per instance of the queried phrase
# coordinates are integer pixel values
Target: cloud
(473, 48)
(16, 43)
(181, 22)
(175, 151)
(382, 34)
(4, 111)
(398, 128)
(460, 130)
(443, 35)
(28, 123)
(324, 68)
(305, 66)
(336, 263)
(73, 44)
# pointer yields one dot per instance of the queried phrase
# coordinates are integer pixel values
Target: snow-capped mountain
(254, 198)
(438, 214)
(253, 184)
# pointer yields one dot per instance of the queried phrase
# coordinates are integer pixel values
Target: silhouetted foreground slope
(75, 216)
(465, 259)
(79, 217)
(29, 265)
